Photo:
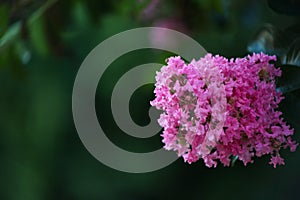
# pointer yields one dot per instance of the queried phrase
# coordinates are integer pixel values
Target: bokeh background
(42, 45)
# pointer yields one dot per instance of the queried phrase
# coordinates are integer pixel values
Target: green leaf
(270, 40)
(233, 160)
(41, 11)
(4, 13)
(38, 36)
(10, 35)
(292, 56)
(22, 51)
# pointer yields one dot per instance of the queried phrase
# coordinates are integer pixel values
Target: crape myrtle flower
(217, 109)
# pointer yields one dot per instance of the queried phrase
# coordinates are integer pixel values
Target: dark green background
(41, 48)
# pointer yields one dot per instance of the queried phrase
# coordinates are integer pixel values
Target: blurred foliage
(42, 44)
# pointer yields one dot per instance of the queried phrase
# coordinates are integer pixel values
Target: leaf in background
(22, 51)
(292, 56)
(3, 18)
(233, 160)
(41, 11)
(35, 25)
(38, 36)
(37, 28)
(269, 40)
(10, 35)
(289, 80)
(80, 32)
(288, 7)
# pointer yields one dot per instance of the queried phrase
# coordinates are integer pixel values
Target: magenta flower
(217, 109)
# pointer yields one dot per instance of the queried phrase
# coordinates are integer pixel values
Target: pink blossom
(276, 160)
(216, 109)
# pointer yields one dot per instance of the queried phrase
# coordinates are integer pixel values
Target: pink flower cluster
(217, 109)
